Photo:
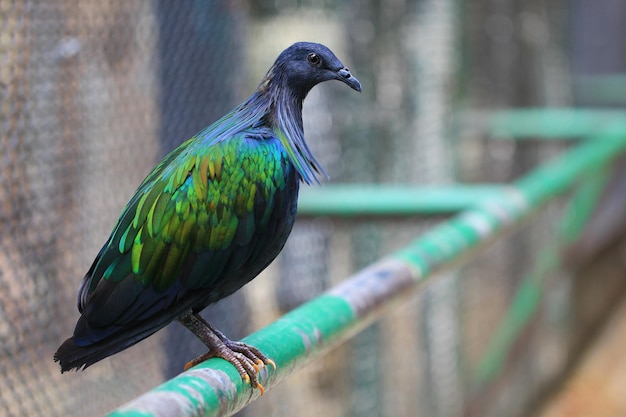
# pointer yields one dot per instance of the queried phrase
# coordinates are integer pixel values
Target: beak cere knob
(345, 76)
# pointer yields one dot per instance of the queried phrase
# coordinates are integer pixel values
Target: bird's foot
(247, 359)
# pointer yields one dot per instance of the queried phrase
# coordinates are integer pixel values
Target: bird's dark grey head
(304, 65)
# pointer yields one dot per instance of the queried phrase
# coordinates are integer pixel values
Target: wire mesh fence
(93, 93)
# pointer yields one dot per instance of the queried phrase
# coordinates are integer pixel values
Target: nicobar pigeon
(209, 218)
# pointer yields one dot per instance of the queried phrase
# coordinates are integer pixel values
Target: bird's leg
(245, 358)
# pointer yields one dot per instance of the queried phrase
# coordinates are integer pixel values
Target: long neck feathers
(278, 106)
(286, 118)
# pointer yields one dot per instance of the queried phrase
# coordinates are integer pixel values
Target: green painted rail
(214, 388)
(552, 123)
(526, 300)
(391, 200)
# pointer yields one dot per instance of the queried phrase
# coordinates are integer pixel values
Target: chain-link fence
(92, 93)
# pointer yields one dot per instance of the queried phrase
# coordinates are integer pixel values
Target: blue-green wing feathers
(205, 213)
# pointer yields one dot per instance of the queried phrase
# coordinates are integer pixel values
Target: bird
(213, 214)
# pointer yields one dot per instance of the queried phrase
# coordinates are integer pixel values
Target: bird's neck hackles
(275, 105)
(284, 109)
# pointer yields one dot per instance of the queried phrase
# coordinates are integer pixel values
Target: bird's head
(304, 65)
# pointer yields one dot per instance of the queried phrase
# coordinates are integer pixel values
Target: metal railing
(487, 212)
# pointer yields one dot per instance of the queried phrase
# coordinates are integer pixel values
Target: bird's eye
(314, 59)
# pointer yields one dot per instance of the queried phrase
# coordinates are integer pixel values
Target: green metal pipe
(552, 123)
(458, 235)
(391, 200)
(214, 388)
(529, 293)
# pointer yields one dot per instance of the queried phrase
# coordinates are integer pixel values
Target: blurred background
(93, 93)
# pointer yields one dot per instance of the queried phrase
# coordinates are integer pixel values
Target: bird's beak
(345, 76)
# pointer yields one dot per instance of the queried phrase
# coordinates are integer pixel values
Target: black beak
(344, 75)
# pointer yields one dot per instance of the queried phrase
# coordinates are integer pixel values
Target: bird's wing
(192, 219)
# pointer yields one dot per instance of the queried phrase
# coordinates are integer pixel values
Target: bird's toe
(246, 359)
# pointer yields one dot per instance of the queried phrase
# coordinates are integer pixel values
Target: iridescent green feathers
(193, 202)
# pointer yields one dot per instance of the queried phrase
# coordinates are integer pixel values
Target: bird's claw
(247, 359)
(196, 361)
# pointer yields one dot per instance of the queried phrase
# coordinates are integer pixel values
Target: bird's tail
(72, 356)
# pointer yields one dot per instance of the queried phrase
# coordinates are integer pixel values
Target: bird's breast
(258, 191)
